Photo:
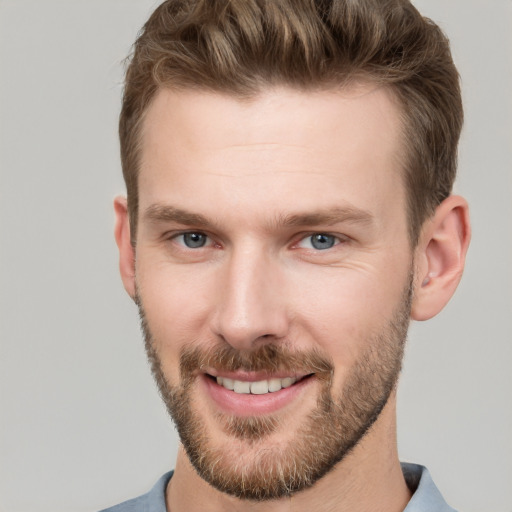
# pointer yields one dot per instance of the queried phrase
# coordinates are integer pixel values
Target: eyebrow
(327, 217)
(165, 213)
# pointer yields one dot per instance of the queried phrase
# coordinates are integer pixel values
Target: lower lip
(241, 404)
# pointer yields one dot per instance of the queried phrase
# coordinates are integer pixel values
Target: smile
(260, 387)
(251, 394)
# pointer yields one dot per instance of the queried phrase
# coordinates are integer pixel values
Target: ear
(126, 249)
(440, 257)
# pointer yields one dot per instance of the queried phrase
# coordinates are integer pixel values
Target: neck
(369, 478)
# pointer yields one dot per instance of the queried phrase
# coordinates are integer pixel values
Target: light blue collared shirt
(426, 497)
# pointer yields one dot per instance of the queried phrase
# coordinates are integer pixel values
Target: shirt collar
(426, 497)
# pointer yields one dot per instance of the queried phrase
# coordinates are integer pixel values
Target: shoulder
(153, 501)
(135, 504)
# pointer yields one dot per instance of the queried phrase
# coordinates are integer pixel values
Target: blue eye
(319, 241)
(194, 240)
(322, 241)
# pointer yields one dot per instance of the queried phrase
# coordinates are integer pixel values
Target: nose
(251, 308)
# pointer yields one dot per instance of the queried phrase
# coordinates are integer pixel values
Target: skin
(333, 159)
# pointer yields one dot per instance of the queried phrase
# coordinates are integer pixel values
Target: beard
(249, 465)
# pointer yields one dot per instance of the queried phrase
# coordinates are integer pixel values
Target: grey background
(81, 424)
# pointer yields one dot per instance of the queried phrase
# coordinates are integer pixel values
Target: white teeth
(229, 384)
(260, 387)
(274, 385)
(242, 387)
(287, 382)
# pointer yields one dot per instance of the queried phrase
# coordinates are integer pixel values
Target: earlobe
(440, 257)
(126, 249)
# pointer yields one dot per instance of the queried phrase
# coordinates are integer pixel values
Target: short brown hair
(241, 46)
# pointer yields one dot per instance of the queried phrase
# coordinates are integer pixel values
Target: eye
(319, 241)
(193, 239)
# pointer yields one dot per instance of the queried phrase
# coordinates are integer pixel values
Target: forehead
(284, 146)
(281, 114)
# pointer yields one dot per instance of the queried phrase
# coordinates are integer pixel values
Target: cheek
(176, 304)
(343, 312)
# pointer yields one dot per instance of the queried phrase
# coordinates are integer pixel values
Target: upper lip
(253, 376)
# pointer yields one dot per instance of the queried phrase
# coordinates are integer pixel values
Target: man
(288, 167)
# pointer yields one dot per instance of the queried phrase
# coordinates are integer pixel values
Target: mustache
(268, 358)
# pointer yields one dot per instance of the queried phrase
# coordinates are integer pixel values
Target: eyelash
(337, 240)
(185, 233)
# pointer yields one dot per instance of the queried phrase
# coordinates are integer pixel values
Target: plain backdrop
(81, 423)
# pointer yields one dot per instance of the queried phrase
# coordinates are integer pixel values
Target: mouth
(257, 387)
(249, 394)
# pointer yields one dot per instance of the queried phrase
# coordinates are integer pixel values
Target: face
(273, 276)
